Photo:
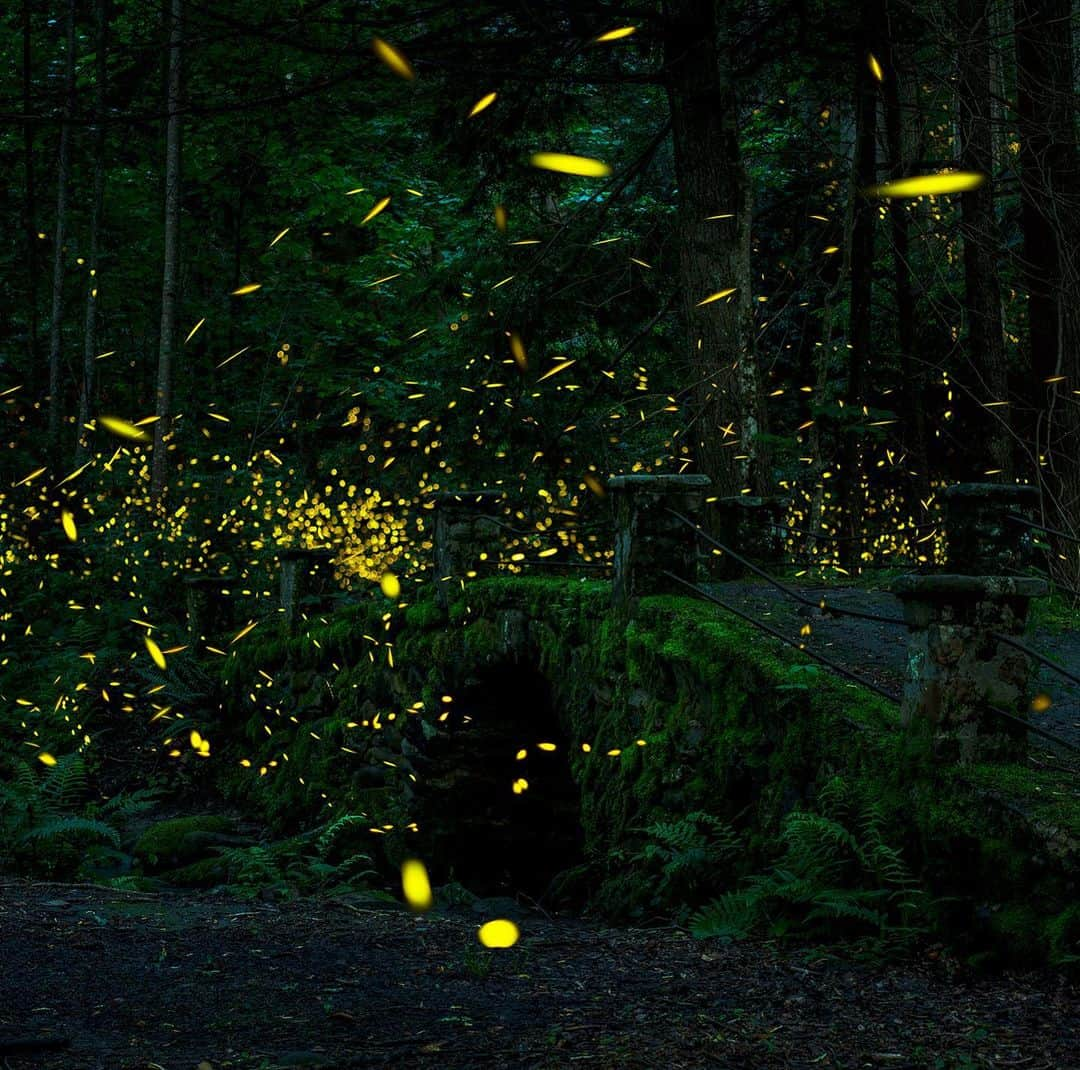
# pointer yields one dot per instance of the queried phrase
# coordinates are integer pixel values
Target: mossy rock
(206, 873)
(179, 841)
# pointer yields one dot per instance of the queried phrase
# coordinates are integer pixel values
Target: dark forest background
(158, 158)
(276, 271)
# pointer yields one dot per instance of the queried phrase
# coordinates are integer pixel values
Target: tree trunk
(63, 183)
(86, 392)
(982, 246)
(1050, 191)
(33, 373)
(714, 254)
(912, 388)
(865, 212)
(170, 284)
(1042, 44)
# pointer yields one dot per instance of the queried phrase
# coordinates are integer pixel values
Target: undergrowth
(836, 878)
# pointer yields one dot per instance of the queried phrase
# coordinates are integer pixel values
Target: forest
(536, 533)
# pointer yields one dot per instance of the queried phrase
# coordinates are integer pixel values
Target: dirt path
(176, 983)
(878, 651)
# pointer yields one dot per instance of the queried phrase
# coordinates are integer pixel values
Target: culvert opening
(482, 833)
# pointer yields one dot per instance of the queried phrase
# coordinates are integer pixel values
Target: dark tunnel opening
(480, 832)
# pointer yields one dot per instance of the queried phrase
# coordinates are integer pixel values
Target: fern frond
(60, 827)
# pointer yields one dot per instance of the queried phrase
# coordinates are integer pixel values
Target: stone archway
(479, 831)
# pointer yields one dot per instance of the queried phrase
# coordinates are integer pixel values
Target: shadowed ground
(144, 981)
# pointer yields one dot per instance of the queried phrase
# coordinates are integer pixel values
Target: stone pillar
(956, 668)
(466, 535)
(305, 574)
(648, 539)
(752, 527)
(207, 606)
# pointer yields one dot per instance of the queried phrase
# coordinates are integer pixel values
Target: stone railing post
(957, 668)
(648, 539)
(466, 535)
(304, 573)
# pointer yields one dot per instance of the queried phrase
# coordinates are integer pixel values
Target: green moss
(1041, 793)
(206, 873)
(735, 725)
(170, 842)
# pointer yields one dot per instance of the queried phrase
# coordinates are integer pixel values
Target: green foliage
(836, 877)
(691, 854)
(174, 842)
(45, 824)
(302, 865)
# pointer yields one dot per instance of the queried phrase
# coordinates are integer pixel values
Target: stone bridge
(524, 732)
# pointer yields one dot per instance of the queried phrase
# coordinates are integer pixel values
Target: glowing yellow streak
(517, 348)
(123, 428)
(570, 165)
(249, 289)
(392, 57)
(717, 296)
(102, 356)
(416, 886)
(482, 103)
(875, 67)
(240, 634)
(555, 371)
(46, 758)
(32, 475)
(615, 35)
(379, 206)
(67, 521)
(191, 333)
(279, 237)
(234, 356)
(929, 185)
(155, 652)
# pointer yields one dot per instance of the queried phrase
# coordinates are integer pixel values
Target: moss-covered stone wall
(675, 711)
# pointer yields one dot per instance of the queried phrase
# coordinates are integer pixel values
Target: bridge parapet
(962, 657)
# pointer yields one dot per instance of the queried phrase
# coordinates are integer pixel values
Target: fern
(337, 828)
(66, 785)
(836, 875)
(58, 828)
(688, 854)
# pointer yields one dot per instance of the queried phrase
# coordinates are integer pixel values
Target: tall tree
(1050, 197)
(982, 247)
(63, 183)
(29, 206)
(714, 247)
(101, 24)
(864, 219)
(913, 378)
(1042, 52)
(170, 284)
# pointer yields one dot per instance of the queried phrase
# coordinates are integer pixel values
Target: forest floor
(878, 651)
(175, 981)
